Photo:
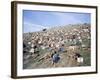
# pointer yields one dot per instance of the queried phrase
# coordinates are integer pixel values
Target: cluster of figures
(55, 41)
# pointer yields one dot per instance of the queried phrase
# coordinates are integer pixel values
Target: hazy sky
(38, 20)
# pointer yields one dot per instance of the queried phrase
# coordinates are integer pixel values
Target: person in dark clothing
(77, 55)
(24, 45)
(55, 57)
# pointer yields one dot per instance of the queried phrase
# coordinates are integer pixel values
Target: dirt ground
(66, 60)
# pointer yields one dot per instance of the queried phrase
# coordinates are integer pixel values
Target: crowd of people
(56, 40)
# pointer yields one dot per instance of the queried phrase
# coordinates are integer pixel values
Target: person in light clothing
(31, 51)
(79, 58)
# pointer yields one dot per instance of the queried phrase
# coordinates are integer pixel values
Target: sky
(37, 20)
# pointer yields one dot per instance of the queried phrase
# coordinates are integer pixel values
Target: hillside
(67, 41)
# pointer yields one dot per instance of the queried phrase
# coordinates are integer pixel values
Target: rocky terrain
(72, 43)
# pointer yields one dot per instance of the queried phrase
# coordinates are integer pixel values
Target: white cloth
(80, 59)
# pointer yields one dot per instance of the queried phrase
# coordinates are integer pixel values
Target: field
(70, 42)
